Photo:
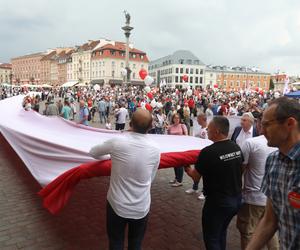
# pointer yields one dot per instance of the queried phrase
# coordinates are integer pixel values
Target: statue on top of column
(127, 16)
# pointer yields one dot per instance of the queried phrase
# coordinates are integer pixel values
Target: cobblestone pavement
(175, 218)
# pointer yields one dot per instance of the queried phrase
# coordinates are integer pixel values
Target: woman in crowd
(177, 128)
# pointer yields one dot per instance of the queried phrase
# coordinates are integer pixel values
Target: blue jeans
(116, 226)
(102, 116)
(216, 216)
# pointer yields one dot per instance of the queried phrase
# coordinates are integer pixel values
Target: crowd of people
(266, 202)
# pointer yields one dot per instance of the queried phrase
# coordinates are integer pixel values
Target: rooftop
(178, 57)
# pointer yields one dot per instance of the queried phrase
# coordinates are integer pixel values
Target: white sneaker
(191, 191)
(172, 181)
(201, 197)
(176, 184)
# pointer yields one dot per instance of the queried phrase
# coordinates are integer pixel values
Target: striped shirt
(282, 176)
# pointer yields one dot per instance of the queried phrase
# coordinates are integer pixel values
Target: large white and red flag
(56, 151)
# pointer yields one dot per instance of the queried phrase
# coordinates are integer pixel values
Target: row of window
(242, 76)
(189, 71)
(99, 64)
(238, 84)
(120, 53)
(190, 80)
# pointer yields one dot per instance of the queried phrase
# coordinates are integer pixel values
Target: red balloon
(261, 92)
(143, 73)
(216, 86)
(148, 107)
(257, 89)
(185, 78)
(150, 95)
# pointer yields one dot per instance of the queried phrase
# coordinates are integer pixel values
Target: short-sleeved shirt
(84, 112)
(282, 176)
(255, 151)
(66, 112)
(220, 165)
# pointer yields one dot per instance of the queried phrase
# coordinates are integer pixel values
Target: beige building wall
(5, 73)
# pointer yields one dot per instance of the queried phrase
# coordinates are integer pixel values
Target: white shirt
(243, 136)
(122, 114)
(202, 133)
(255, 152)
(208, 112)
(135, 159)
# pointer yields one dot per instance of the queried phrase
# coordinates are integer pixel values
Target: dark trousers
(178, 174)
(120, 126)
(216, 217)
(116, 226)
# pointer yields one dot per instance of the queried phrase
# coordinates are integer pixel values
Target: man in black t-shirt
(220, 165)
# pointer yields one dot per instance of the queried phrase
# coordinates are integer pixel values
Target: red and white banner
(56, 151)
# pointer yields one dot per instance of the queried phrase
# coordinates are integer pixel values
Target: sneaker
(172, 181)
(201, 197)
(176, 184)
(191, 191)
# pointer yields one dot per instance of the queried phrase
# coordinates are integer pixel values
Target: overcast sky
(261, 33)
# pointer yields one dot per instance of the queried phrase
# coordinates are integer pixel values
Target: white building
(210, 78)
(172, 68)
(108, 60)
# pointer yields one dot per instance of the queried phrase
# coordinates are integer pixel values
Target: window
(177, 71)
(112, 52)
(196, 79)
(238, 83)
(191, 71)
(181, 70)
(225, 83)
(231, 84)
(176, 78)
(186, 70)
(191, 79)
(201, 71)
(201, 79)
(197, 71)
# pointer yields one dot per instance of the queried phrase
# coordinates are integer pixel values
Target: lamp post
(127, 28)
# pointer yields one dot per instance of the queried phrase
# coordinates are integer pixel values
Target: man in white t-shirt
(202, 133)
(135, 159)
(121, 116)
(255, 152)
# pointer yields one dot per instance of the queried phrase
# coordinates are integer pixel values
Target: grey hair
(249, 114)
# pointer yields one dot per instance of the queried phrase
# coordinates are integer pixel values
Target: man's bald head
(141, 121)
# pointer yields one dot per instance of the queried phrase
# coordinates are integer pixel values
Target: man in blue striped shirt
(281, 183)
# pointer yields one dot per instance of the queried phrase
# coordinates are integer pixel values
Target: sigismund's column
(127, 28)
